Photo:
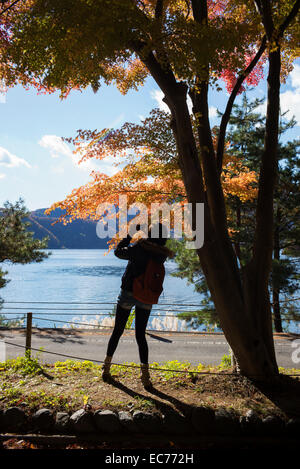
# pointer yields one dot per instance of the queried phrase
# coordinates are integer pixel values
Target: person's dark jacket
(138, 255)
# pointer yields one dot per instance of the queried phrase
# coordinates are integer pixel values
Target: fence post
(28, 333)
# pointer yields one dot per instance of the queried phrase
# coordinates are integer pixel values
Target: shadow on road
(157, 337)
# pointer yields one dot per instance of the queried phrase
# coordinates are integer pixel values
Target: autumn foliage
(146, 169)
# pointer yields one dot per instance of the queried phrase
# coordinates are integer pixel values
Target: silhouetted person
(140, 288)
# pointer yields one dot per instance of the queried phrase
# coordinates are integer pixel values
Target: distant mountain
(80, 234)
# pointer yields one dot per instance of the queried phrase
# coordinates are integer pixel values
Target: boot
(106, 376)
(145, 376)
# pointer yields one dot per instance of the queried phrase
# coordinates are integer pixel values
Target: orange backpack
(148, 286)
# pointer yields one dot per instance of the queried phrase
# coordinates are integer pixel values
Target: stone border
(202, 421)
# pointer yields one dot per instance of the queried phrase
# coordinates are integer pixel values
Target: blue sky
(37, 166)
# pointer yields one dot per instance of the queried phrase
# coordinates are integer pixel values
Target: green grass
(26, 365)
(70, 384)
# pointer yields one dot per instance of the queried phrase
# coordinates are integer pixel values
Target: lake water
(84, 276)
(88, 276)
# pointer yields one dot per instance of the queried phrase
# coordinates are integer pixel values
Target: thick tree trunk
(261, 264)
(241, 296)
(232, 295)
(219, 263)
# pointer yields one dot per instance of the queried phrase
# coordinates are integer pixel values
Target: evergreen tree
(189, 268)
(17, 244)
(245, 140)
(285, 269)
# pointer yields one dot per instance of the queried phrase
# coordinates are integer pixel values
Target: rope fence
(63, 311)
(90, 309)
(101, 326)
(29, 348)
(290, 300)
(87, 303)
(125, 365)
(30, 317)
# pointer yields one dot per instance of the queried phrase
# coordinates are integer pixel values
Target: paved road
(193, 347)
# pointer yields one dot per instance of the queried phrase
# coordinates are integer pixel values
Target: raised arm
(123, 249)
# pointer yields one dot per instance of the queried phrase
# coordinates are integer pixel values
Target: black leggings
(141, 320)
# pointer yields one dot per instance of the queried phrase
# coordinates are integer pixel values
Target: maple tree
(186, 46)
(8, 10)
(149, 170)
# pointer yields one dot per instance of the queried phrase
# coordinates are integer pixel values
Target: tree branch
(288, 19)
(264, 8)
(215, 203)
(265, 11)
(164, 77)
(9, 7)
(159, 8)
(199, 10)
(227, 113)
(247, 71)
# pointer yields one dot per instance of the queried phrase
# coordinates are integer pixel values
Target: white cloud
(57, 148)
(290, 99)
(212, 112)
(295, 76)
(55, 145)
(11, 161)
(262, 109)
(2, 175)
(158, 95)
